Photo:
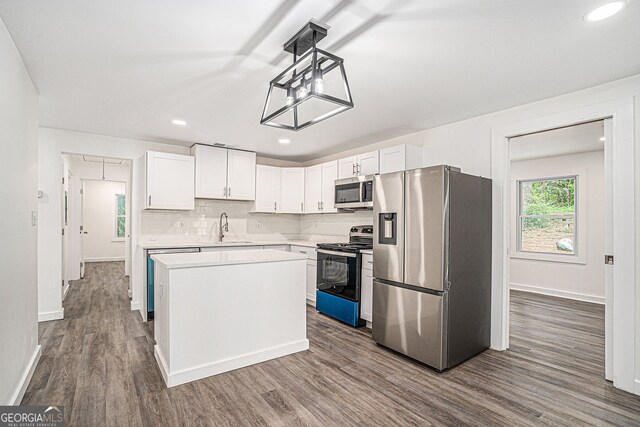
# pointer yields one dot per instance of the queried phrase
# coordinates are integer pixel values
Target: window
(547, 215)
(120, 216)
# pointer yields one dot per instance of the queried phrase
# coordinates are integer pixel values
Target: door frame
(622, 173)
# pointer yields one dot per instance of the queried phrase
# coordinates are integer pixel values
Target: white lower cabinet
(312, 268)
(366, 288)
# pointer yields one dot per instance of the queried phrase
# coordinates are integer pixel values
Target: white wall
(99, 219)
(52, 143)
(19, 349)
(565, 279)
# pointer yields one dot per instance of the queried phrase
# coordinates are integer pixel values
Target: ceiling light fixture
(604, 11)
(310, 90)
(284, 141)
(178, 122)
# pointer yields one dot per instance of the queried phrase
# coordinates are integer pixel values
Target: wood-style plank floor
(98, 362)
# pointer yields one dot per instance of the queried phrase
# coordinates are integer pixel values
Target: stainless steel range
(338, 281)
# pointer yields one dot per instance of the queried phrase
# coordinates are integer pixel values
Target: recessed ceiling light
(604, 11)
(284, 141)
(602, 139)
(178, 122)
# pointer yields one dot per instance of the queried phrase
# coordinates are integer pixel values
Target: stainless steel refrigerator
(432, 264)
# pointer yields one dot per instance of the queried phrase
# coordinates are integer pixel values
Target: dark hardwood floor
(98, 362)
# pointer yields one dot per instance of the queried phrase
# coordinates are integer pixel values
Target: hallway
(98, 362)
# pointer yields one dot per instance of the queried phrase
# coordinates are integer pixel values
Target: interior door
(608, 245)
(82, 231)
(75, 258)
(329, 176)
(313, 189)
(241, 175)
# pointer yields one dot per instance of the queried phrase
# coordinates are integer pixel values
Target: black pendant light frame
(322, 62)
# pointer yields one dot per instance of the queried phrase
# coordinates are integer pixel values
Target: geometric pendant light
(313, 88)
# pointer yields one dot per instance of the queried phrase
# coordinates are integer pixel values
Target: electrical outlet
(181, 223)
(258, 225)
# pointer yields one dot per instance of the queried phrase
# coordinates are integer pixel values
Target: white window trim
(580, 217)
(115, 219)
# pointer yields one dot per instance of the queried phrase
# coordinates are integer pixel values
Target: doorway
(97, 215)
(620, 348)
(558, 243)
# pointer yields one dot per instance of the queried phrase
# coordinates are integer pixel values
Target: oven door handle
(338, 253)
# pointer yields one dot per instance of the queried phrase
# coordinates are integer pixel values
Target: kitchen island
(220, 311)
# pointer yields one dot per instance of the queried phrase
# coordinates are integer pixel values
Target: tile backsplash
(203, 221)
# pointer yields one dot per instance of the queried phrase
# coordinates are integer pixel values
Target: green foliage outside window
(120, 215)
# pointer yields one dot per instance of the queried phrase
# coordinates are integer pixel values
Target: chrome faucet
(224, 227)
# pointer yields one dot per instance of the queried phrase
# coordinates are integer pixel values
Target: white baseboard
(637, 387)
(18, 394)
(311, 302)
(135, 306)
(65, 291)
(557, 293)
(104, 259)
(215, 368)
(51, 315)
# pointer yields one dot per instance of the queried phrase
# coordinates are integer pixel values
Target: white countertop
(205, 259)
(169, 244)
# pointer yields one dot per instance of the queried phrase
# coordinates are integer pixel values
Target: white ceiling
(126, 68)
(581, 138)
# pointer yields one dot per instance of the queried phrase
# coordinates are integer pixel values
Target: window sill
(118, 239)
(565, 259)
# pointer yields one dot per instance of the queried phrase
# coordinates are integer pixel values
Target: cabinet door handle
(357, 168)
(275, 206)
(353, 168)
(225, 191)
(318, 205)
(321, 206)
(229, 192)
(301, 207)
(149, 200)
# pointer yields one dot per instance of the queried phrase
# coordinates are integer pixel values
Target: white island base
(219, 311)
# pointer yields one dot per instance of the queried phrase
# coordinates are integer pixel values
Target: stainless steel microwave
(354, 193)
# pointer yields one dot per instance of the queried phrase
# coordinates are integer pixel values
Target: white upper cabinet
(267, 189)
(291, 190)
(400, 158)
(211, 172)
(241, 175)
(368, 163)
(347, 167)
(170, 181)
(362, 164)
(224, 174)
(320, 188)
(313, 189)
(329, 176)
